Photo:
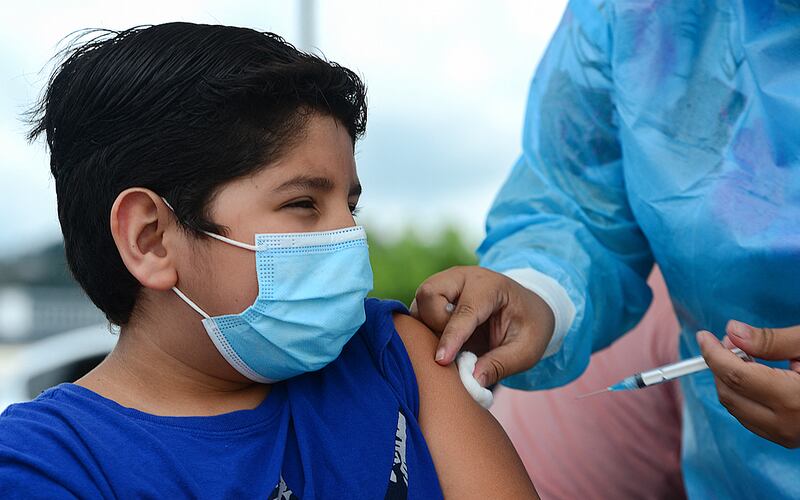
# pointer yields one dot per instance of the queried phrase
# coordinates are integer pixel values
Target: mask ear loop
(219, 237)
(235, 243)
(190, 303)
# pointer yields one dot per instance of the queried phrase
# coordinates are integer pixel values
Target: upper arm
(473, 456)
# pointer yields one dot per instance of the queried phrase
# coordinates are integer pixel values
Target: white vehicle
(28, 369)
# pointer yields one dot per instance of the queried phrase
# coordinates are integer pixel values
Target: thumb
(414, 310)
(500, 362)
(766, 343)
(472, 310)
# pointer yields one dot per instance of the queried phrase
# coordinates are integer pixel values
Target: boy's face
(314, 187)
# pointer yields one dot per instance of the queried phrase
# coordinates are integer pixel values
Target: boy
(185, 157)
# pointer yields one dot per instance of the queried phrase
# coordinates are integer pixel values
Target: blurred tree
(400, 266)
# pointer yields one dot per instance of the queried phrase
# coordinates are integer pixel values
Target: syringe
(663, 374)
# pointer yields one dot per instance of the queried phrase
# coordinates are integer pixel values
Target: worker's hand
(494, 316)
(765, 400)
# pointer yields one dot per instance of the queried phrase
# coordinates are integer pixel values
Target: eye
(355, 209)
(302, 204)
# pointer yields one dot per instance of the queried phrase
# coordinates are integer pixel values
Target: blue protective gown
(666, 131)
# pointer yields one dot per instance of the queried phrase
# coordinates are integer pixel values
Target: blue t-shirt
(349, 430)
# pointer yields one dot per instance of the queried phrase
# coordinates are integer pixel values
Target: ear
(139, 223)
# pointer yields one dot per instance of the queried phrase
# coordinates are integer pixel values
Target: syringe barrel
(681, 368)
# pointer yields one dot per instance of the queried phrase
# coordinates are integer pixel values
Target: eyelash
(308, 204)
(301, 204)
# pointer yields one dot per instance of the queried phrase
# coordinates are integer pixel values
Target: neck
(145, 372)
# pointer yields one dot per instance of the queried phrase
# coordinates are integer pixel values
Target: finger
(766, 343)
(501, 362)
(433, 296)
(751, 380)
(474, 306)
(756, 417)
(414, 310)
(726, 341)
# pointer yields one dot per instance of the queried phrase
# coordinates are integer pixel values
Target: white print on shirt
(398, 478)
(282, 492)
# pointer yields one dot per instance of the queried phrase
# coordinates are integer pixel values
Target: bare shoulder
(420, 342)
(434, 381)
(473, 456)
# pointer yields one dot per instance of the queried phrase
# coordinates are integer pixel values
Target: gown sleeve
(564, 210)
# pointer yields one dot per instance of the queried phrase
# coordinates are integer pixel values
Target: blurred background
(447, 84)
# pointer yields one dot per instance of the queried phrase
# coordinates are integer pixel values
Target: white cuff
(554, 296)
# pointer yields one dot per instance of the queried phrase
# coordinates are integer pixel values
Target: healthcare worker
(663, 132)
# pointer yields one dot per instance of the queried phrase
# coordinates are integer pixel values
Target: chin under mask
(311, 291)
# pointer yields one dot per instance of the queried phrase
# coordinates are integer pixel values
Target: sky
(447, 83)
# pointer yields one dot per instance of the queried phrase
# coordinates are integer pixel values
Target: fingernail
(440, 354)
(700, 336)
(740, 330)
(481, 379)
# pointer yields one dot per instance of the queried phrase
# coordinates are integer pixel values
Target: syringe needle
(601, 391)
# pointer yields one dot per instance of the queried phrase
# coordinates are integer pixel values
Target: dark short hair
(180, 109)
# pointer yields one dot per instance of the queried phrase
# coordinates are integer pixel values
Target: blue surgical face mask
(311, 291)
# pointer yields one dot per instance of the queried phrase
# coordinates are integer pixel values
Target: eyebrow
(323, 184)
